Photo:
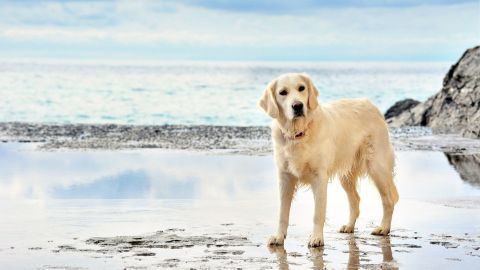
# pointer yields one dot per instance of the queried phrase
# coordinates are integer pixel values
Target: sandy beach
(137, 208)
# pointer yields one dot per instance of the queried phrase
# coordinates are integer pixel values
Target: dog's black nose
(297, 108)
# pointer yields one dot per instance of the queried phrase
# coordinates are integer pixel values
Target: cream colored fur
(346, 138)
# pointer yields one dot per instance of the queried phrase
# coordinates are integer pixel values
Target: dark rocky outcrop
(400, 106)
(456, 108)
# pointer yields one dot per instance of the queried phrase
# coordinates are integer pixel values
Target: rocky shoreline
(111, 136)
(454, 109)
(253, 140)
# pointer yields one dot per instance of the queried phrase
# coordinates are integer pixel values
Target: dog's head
(289, 97)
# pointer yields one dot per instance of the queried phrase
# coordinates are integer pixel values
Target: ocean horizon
(192, 92)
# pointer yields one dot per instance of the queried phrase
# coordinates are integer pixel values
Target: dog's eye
(301, 88)
(283, 92)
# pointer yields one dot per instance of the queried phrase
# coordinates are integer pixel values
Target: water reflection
(160, 174)
(125, 185)
(282, 256)
(317, 255)
(353, 253)
(142, 174)
(467, 166)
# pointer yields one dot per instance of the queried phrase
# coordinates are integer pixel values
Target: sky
(248, 30)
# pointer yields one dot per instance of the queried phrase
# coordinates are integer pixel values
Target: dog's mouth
(298, 114)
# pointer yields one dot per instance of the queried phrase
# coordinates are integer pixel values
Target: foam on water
(213, 93)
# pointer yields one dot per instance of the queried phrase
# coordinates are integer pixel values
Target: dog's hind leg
(380, 169)
(349, 184)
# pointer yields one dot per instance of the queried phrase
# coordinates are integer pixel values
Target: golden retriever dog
(316, 142)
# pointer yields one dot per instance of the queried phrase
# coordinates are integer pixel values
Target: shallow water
(211, 93)
(52, 202)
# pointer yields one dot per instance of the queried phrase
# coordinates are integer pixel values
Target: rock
(456, 108)
(467, 166)
(401, 106)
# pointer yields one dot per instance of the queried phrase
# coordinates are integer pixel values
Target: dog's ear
(268, 101)
(312, 92)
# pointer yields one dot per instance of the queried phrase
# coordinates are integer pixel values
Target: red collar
(297, 136)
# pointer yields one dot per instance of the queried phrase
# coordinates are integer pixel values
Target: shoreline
(248, 140)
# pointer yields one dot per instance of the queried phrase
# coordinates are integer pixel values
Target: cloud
(369, 30)
(286, 6)
(94, 35)
(58, 13)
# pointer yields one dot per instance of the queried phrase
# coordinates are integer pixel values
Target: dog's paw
(276, 240)
(346, 229)
(381, 231)
(316, 241)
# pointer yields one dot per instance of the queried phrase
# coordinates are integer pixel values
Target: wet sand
(157, 208)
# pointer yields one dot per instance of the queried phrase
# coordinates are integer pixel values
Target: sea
(192, 93)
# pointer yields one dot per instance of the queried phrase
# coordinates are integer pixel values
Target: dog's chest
(298, 161)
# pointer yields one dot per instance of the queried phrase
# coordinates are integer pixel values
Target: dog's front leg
(287, 187)
(319, 188)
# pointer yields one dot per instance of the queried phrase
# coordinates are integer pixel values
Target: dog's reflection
(387, 254)
(316, 255)
(281, 253)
